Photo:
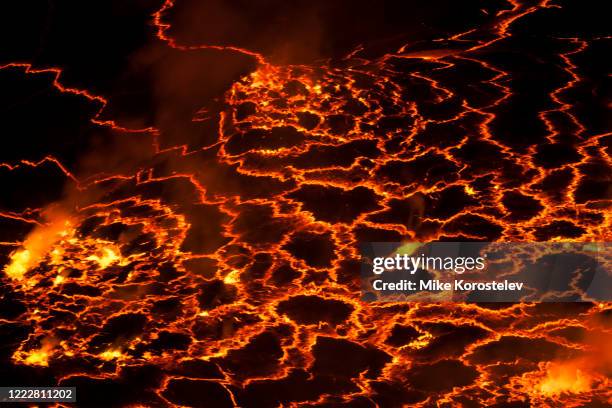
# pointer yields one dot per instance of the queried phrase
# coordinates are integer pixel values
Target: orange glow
(232, 277)
(470, 190)
(105, 258)
(37, 357)
(21, 261)
(36, 246)
(110, 354)
(564, 378)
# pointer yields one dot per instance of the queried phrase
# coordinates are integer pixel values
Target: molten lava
(224, 271)
(561, 378)
(36, 246)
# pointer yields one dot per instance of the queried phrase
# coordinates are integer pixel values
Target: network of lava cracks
(247, 292)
